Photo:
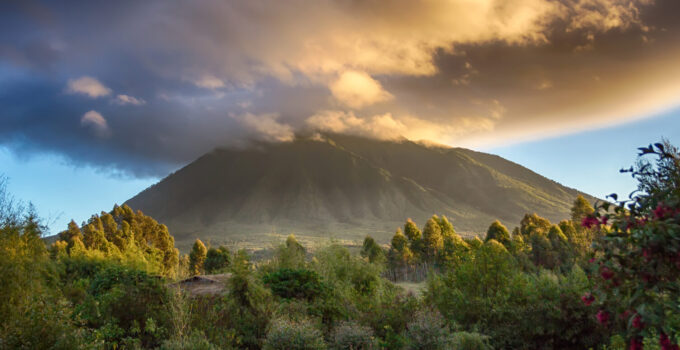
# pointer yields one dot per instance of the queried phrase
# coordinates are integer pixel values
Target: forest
(606, 278)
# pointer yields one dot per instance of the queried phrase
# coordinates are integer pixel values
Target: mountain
(344, 187)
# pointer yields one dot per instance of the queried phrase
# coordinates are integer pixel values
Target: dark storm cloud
(143, 87)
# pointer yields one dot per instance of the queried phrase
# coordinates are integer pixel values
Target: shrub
(470, 341)
(288, 335)
(295, 283)
(428, 331)
(195, 341)
(352, 336)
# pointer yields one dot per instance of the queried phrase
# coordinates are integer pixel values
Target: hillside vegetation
(606, 278)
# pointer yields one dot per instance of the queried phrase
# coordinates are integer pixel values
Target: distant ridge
(344, 187)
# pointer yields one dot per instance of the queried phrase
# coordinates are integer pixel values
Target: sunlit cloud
(128, 100)
(96, 122)
(87, 86)
(357, 89)
(267, 127)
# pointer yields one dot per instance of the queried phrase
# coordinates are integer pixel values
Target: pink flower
(603, 317)
(587, 299)
(606, 273)
(604, 220)
(592, 260)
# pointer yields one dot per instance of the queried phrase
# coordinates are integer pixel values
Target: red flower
(661, 211)
(606, 273)
(592, 260)
(625, 314)
(603, 317)
(637, 322)
(635, 344)
(604, 220)
(587, 299)
(647, 253)
(666, 344)
(589, 222)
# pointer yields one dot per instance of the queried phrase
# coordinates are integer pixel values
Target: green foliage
(216, 260)
(197, 257)
(195, 341)
(125, 237)
(470, 341)
(124, 305)
(352, 336)
(428, 331)
(498, 232)
(300, 283)
(291, 254)
(372, 251)
(290, 335)
(433, 241)
(33, 312)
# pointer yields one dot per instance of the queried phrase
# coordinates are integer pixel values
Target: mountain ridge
(344, 187)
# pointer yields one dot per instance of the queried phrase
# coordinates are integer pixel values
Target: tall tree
(415, 237)
(197, 257)
(433, 242)
(217, 259)
(498, 232)
(580, 210)
(372, 250)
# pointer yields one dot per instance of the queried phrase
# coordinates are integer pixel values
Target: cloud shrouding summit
(175, 80)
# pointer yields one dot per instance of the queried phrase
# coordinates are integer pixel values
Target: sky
(100, 99)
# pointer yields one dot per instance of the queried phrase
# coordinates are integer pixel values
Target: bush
(124, 304)
(287, 335)
(352, 336)
(295, 283)
(470, 341)
(196, 341)
(428, 331)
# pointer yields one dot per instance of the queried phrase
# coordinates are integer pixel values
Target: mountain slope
(344, 187)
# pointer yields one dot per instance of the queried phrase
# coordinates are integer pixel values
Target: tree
(372, 251)
(217, 259)
(291, 254)
(580, 210)
(197, 257)
(400, 255)
(533, 224)
(498, 232)
(415, 237)
(433, 242)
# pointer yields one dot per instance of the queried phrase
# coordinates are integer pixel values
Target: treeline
(535, 243)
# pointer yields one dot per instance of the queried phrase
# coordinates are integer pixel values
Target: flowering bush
(636, 268)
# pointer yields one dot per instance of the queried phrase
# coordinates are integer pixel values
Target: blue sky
(589, 161)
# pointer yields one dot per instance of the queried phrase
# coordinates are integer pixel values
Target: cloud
(358, 89)
(209, 82)
(87, 86)
(128, 100)
(96, 121)
(459, 72)
(267, 127)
